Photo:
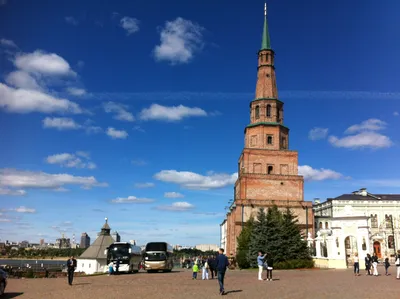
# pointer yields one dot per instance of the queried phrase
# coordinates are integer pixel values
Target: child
(195, 270)
(387, 265)
(110, 269)
(270, 266)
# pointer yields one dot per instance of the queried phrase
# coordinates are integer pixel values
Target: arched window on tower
(257, 112)
(270, 169)
(278, 115)
(269, 139)
(266, 57)
(268, 110)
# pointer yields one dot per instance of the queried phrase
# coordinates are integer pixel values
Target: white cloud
(318, 133)
(177, 207)
(13, 178)
(173, 113)
(60, 123)
(362, 140)
(193, 180)
(72, 160)
(131, 25)
(76, 91)
(23, 209)
(43, 63)
(11, 192)
(173, 195)
(396, 113)
(71, 20)
(119, 110)
(21, 79)
(25, 101)
(139, 129)
(180, 40)
(131, 199)
(8, 43)
(311, 174)
(371, 124)
(116, 134)
(139, 162)
(144, 185)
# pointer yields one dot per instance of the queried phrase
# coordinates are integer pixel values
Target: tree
(243, 241)
(258, 240)
(294, 247)
(274, 236)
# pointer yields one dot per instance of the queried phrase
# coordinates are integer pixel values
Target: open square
(307, 284)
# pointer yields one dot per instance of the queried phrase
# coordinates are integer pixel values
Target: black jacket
(222, 263)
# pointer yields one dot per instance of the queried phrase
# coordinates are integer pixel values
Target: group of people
(371, 265)
(216, 265)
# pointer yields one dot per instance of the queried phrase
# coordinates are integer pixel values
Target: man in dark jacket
(71, 266)
(221, 264)
(212, 266)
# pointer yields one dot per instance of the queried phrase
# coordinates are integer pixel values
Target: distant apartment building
(62, 243)
(41, 242)
(207, 247)
(85, 241)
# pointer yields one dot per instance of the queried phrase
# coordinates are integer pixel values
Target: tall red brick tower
(268, 170)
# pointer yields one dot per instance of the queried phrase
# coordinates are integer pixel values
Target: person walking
(71, 266)
(397, 263)
(221, 264)
(260, 263)
(195, 270)
(375, 264)
(211, 265)
(368, 260)
(205, 269)
(270, 266)
(387, 265)
(356, 264)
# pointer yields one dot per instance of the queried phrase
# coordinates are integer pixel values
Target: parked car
(3, 282)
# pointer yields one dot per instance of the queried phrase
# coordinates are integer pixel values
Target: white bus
(128, 255)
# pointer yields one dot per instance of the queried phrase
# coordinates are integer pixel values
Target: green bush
(242, 260)
(295, 264)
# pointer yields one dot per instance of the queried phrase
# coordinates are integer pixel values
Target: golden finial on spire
(265, 9)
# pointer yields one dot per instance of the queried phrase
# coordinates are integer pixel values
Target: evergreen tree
(294, 247)
(258, 240)
(243, 241)
(274, 238)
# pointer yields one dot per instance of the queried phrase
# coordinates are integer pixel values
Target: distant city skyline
(141, 119)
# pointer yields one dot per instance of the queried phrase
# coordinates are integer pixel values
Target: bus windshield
(119, 252)
(155, 256)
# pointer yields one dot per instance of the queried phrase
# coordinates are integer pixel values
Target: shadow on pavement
(82, 283)
(233, 291)
(11, 295)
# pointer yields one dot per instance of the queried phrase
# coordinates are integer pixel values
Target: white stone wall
(223, 228)
(90, 266)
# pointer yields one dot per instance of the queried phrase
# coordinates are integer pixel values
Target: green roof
(266, 42)
(266, 124)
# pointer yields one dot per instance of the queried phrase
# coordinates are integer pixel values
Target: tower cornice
(266, 99)
(263, 123)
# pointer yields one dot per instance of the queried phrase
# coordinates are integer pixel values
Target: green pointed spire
(266, 42)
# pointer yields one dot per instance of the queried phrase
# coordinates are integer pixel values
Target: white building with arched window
(358, 222)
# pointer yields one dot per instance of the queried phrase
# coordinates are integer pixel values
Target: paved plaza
(291, 284)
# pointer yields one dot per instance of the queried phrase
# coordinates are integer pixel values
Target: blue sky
(135, 110)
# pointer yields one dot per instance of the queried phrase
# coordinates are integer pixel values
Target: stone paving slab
(302, 284)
